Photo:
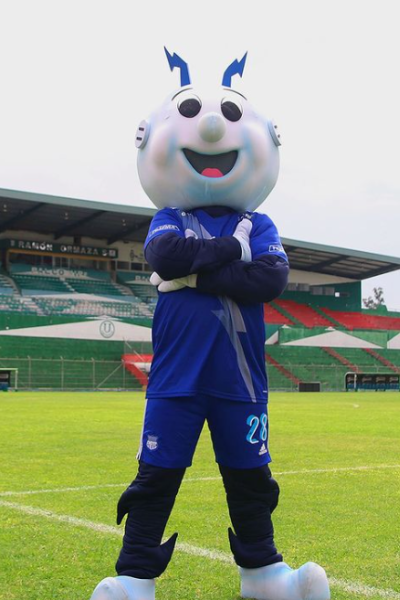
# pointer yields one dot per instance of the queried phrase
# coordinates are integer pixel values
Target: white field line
(89, 487)
(65, 489)
(194, 480)
(338, 469)
(367, 591)
(358, 589)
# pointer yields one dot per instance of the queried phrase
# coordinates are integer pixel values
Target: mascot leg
(171, 429)
(252, 496)
(148, 502)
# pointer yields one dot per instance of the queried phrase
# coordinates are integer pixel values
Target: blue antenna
(176, 61)
(235, 68)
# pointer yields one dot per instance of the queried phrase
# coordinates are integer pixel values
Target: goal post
(8, 378)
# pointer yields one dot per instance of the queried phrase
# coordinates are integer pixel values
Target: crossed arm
(218, 267)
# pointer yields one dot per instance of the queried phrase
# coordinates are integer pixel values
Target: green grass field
(66, 457)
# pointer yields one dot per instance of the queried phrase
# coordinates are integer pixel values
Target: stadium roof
(342, 262)
(60, 216)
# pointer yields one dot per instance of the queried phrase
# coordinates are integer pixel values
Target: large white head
(199, 151)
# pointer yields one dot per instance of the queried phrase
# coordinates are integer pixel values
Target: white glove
(175, 284)
(242, 234)
(155, 279)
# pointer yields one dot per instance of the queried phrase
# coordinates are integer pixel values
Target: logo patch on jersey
(152, 442)
(168, 227)
(276, 248)
(263, 450)
(246, 215)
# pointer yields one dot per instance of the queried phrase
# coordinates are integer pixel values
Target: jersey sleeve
(165, 220)
(264, 239)
(172, 255)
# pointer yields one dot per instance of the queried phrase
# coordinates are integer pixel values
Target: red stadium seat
(273, 316)
(358, 320)
(304, 313)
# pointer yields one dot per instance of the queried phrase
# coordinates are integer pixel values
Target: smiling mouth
(211, 165)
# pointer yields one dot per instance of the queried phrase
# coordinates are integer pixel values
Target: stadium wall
(335, 338)
(127, 252)
(67, 363)
(82, 338)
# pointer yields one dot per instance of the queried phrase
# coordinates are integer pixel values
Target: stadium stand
(363, 320)
(87, 305)
(288, 374)
(381, 359)
(305, 364)
(89, 282)
(140, 286)
(273, 316)
(304, 314)
(66, 278)
(342, 359)
(97, 287)
(131, 363)
(6, 288)
(14, 304)
(278, 381)
(91, 294)
(392, 356)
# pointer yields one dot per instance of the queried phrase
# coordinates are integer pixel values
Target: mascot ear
(276, 136)
(142, 134)
(176, 61)
(235, 68)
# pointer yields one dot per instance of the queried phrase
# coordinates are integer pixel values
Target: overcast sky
(77, 76)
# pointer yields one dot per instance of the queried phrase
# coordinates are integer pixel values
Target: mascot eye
(231, 110)
(189, 107)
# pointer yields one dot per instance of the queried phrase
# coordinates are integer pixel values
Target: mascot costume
(207, 164)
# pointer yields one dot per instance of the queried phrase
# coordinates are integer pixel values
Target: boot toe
(313, 582)
(109, 589)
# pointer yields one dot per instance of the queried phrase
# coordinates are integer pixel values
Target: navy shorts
(172, 427)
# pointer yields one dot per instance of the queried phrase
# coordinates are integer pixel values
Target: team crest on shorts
(152, 442)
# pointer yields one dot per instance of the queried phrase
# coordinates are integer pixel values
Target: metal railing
(330, 377)
(66, 374)
(92, 374)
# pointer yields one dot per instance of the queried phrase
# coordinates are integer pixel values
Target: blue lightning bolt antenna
(176, 61)
(235, 68)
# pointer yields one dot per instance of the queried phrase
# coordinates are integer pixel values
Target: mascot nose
(212, 127)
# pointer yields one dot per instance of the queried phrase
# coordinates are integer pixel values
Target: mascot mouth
(211, 165)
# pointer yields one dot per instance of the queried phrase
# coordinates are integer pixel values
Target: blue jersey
(206, 344)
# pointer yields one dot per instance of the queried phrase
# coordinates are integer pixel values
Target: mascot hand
(242, 234)
(155, 279)
(178, 284)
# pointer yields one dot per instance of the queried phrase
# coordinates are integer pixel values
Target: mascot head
(197, 151)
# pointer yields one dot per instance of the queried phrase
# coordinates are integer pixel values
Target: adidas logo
(263, 450)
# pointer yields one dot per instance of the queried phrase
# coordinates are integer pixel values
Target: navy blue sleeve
(261, 280)
(264, 239)
(172, 256)
(165, 220)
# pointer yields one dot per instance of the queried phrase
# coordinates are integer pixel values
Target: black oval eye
(190, 107)
(231, 110)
